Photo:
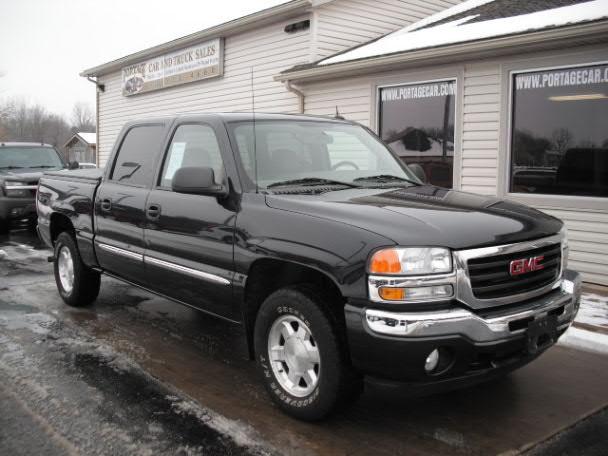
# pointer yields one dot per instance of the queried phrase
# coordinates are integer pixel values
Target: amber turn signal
(385, 262)
(392, 294)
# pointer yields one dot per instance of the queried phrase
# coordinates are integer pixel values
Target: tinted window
(417, 122)
(560, 132)
(135, 160)
(193, 145)
(289, 150)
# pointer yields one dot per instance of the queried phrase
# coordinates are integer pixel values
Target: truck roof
(24, 144)
(243, 116)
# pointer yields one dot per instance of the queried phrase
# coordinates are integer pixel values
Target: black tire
(86, 281)
(338, 384)
(4, 226)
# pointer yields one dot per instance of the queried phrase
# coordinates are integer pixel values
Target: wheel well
(59, 224)
(266, 276)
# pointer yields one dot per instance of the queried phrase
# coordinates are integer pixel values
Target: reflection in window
(560, 132)
(135, 162)
(417, 122)
(193, 146)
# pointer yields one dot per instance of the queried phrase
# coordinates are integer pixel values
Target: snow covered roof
(90, 138)
(475, 20)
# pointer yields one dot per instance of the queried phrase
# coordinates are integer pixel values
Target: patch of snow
(593, 310)
(441, 15)
(90, 138)
(585, 340)
(38, 323)
(459, 31)
(242, 433)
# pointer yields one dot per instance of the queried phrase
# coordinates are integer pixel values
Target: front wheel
(78, 284)
(300, 350)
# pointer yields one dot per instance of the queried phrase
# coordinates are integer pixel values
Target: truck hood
(425, 215)
(25, 175)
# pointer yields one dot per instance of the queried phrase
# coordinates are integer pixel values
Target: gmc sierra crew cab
(340, 263)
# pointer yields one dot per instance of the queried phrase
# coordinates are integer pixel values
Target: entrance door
(120, 203)
(190, 238)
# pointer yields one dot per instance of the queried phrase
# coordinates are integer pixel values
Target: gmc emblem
(525, 265)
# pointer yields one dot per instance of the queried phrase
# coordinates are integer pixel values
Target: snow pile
(458, 31)
(593, 313)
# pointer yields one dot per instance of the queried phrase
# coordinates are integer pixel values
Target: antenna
(255, 139)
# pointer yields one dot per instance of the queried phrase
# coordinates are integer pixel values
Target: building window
(559, 142)
(417, 122)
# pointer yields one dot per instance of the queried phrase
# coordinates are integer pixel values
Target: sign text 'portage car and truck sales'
(194, 63)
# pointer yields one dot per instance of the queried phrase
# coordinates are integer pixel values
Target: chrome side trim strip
(193, 272)
(119, 251)
(20, 187)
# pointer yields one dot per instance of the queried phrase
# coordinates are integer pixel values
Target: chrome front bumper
(497, 325)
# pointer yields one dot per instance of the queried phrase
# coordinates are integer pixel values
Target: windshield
(299, 152)
(29, 157)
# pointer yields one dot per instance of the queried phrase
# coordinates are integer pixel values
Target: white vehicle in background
(87, 165)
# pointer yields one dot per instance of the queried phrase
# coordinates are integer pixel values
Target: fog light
(431, 361)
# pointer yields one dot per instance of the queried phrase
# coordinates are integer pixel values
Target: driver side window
(192, 145)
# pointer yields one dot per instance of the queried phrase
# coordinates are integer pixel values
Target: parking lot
(137, 374)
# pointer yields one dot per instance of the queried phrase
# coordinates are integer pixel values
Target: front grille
(490, 276)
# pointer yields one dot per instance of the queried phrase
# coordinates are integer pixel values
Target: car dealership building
(506, 97)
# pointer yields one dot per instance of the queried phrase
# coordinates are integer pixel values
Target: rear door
(190, 238)
(121, 199)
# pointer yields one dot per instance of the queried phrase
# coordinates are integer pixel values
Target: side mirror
(73, 165)
(197, 181)
(418, 171)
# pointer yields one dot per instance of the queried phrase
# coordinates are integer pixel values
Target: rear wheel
(301, 352)
(78, 284)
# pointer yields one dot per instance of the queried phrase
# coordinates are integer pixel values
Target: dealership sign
(203, 61)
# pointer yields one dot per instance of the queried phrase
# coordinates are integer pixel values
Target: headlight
(411, 261)
(11, 188)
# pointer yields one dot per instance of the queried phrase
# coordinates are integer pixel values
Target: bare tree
(83, 118)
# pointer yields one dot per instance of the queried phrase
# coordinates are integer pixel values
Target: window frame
(450, 74)
(156, 185)
(116, 154)
(574, 202)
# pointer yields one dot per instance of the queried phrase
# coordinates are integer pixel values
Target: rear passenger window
(135, 161)
(193, 145)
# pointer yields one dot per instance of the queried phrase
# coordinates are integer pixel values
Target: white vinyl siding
(342, 24)
(351, 97)
(480, 129)
(269, 50)
(588, 238)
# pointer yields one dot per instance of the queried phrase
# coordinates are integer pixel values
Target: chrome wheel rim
(65, 266)
(294, 356)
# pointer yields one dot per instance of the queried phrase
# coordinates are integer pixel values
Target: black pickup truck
(21, 166)
(340, 263)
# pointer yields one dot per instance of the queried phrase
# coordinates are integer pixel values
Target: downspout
(99, 88)
(298, 93)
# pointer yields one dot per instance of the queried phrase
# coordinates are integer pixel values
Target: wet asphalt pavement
(137, 374)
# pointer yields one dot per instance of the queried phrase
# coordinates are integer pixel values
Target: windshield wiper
(310, 181)
(42, 166)
(384, 178)
(11, 167)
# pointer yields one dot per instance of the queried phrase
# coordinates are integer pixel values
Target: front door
(189, 238)
(120, 203)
